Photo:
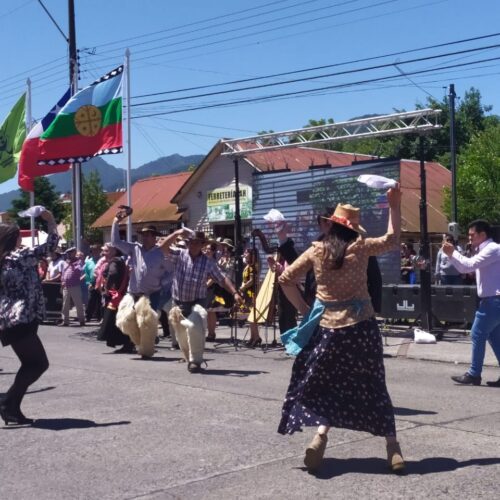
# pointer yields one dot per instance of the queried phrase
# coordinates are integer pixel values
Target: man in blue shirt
(137, 315)
(486, 326)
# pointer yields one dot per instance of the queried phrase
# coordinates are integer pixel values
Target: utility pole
(237, 219)
(453, 154)
(76, 179)
(424, 257)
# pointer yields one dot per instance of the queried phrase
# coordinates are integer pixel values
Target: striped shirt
(191, 275)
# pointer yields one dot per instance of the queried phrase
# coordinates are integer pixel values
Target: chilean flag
(28, 162)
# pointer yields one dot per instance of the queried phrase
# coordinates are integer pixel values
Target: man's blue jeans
(486, 327)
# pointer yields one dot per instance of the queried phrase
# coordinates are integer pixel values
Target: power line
(240, 28)
(316, 68)
(310, 78)
(261, 41)
(232, 38)
(224, 16)
(302, 92)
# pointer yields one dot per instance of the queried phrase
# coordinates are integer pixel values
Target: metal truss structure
(417, 122)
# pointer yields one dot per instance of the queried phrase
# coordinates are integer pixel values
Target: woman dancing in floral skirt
(338, 378)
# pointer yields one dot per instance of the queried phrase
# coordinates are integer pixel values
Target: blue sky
(179, 45)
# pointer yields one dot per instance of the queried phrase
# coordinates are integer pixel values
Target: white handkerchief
(33, 211)
(377, 181)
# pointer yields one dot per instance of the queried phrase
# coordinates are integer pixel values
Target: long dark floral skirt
(338, 380)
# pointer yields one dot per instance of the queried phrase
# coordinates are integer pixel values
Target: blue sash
(297, 338)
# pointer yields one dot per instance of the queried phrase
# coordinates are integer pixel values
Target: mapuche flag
(87, 125)
(12, 134)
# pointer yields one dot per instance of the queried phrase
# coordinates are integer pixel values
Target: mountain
(113, 178)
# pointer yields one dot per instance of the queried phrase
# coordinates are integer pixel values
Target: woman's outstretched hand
(394, 196)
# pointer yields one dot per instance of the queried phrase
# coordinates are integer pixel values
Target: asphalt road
(115, 426)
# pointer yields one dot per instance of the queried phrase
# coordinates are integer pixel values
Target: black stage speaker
(400, 301)
(53, 301)
(452, 304)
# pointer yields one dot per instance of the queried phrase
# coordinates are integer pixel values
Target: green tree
(46, 195)
(478, 179)
(94, 204)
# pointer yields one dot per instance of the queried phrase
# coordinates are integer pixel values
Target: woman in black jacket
(22, 308)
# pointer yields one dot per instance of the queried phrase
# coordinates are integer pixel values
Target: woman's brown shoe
(395, 457)
(315, 452)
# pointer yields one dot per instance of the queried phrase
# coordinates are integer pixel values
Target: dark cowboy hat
(197, 236)
(150, 229)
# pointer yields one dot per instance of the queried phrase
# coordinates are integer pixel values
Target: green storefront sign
(221, 204)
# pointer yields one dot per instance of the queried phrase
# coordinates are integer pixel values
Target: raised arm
(165, 243)
(52, 238)
(116, 241)
(394, 200)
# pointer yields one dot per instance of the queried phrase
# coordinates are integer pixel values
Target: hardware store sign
(221, 203)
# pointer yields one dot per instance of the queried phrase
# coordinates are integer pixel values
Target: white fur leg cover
(196, 326)
(175, 317)
(126, 319)
(190, 332)
(147, 321)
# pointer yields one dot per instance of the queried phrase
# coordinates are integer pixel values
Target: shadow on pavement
(156, 358)
(333, 467)
(405, 412)
(234, 373)
(7, 373)
(63, 424)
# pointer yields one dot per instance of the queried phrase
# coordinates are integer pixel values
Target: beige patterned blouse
(344, 284)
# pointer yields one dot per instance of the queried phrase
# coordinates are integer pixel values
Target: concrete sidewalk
(455, 347)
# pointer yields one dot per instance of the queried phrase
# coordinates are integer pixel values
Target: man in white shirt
(486, 326)
(56, 266)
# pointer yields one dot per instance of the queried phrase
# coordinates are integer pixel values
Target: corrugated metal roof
(150, 200)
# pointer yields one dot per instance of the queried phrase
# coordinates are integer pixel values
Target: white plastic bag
(423, 337)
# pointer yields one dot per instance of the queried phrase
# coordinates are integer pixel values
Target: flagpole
(29, 122)
(76, 169)
(129, 151)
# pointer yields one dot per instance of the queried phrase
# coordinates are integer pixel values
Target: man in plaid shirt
(192, 268)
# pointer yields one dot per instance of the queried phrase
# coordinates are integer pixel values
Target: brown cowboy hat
(347, 216)
(150, 229)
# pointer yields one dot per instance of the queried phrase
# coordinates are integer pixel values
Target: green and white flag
(12, 135)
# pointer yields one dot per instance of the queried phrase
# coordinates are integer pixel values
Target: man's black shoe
(194, 367)
(495, 383)
(467, 379)
(126, 349)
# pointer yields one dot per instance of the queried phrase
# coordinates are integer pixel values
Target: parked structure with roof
(214, 178)
(151, 201)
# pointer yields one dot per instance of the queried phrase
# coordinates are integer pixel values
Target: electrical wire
(310, 78)
(315, 68)
(302, 92)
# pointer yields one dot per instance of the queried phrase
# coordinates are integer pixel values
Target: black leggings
(34, 362)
